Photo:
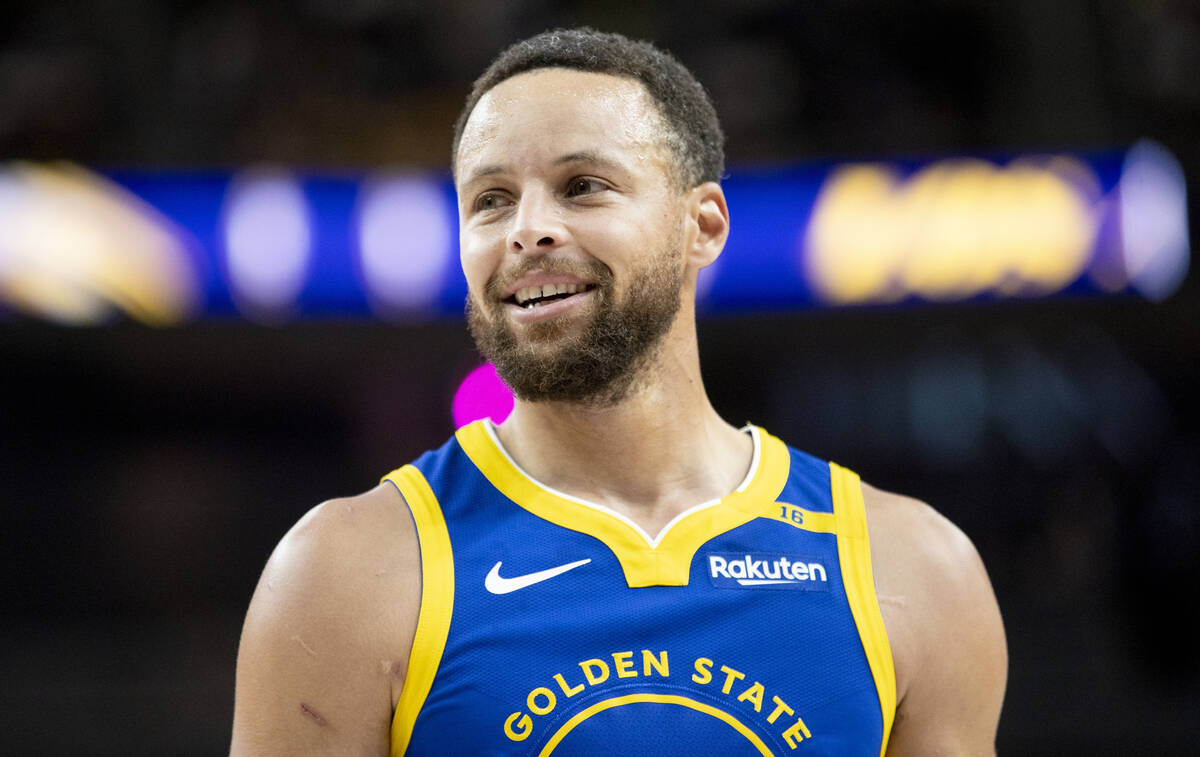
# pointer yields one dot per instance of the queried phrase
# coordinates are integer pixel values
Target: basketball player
(614, 570)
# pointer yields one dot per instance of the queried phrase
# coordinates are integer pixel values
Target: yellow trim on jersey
(667, 563)
(437, 601)
(811, 520)
(721, 715)
(854, 554)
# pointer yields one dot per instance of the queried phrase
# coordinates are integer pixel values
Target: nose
(537, 227)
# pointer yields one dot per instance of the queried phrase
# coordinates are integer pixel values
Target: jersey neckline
(663, 560)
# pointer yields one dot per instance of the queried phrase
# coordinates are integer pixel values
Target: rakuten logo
(767, 570)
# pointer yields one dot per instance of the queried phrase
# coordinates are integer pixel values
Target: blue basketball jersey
(550, 625)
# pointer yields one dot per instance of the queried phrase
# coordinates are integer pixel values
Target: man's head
(580, 227)
(690, 127)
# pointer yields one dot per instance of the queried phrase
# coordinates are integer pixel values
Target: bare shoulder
(944, 627)
(912, 542)
(349, 535)
(326, 639)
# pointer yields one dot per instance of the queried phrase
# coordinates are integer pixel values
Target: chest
(550, 625)
(549, 646)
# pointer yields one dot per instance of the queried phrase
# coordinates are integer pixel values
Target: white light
(405, 234)
(1154, 232)
(268, 242)
(77, 248)
(13, 212)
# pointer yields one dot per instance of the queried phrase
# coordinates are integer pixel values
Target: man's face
(570, 233)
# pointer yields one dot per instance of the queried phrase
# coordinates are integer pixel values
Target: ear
(708, 216)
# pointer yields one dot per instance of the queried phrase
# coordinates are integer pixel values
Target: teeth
(525, 294)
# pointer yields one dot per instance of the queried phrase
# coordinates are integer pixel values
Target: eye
(491, 200)
(582, 185)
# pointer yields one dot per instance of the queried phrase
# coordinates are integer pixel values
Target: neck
(654, 454)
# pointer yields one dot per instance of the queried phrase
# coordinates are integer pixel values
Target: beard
(598, 365)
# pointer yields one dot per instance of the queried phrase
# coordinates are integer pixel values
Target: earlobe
(710, 215)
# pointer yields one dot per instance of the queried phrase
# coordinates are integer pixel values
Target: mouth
(537, 296)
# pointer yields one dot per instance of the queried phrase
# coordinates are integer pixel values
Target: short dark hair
(694, 133)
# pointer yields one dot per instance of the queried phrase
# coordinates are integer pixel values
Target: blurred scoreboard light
(77, 249)
(406, 245)
(272, 245)
(957, 229)
(1154, 229)
(268, 247)
(952, 230)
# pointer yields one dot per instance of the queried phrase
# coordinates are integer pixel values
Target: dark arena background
(959, 265)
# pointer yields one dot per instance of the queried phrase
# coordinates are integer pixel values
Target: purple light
(268, 242)
(1154, 224)
(482, 395)
(405, 241)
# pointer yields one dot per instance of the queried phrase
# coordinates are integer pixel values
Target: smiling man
(614, 569)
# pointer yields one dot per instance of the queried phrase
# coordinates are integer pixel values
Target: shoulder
(943, 625)
(327, 635)
(915, 541)
(345, 536)
(343, 556)
(348, 551)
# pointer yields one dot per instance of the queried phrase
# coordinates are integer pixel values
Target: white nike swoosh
(497, 584)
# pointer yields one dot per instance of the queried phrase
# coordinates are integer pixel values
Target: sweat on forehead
(561, 111)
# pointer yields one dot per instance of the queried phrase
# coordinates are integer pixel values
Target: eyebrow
(482, 171)
(581, 156)
(587, 156)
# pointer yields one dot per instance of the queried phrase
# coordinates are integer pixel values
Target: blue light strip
(385, 246)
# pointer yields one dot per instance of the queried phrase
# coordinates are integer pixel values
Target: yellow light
(953, 230)
(853, 239)
(76, 246)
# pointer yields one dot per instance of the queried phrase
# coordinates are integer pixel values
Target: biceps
(952, 706)
(302, 689)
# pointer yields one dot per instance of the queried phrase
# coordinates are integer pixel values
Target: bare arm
(325, 645)
(945, 629)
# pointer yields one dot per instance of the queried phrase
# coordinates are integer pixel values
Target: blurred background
(956, 267)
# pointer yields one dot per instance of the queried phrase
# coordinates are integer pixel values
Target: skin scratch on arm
(306, 647)
(313, 715)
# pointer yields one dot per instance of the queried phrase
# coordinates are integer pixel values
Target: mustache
(591, 270)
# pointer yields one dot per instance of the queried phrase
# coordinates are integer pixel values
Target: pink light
(482, 395)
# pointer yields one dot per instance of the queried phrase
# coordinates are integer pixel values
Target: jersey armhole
(854, 556)
(437, 602)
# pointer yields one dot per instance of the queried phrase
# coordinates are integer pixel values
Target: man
(614, 569)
